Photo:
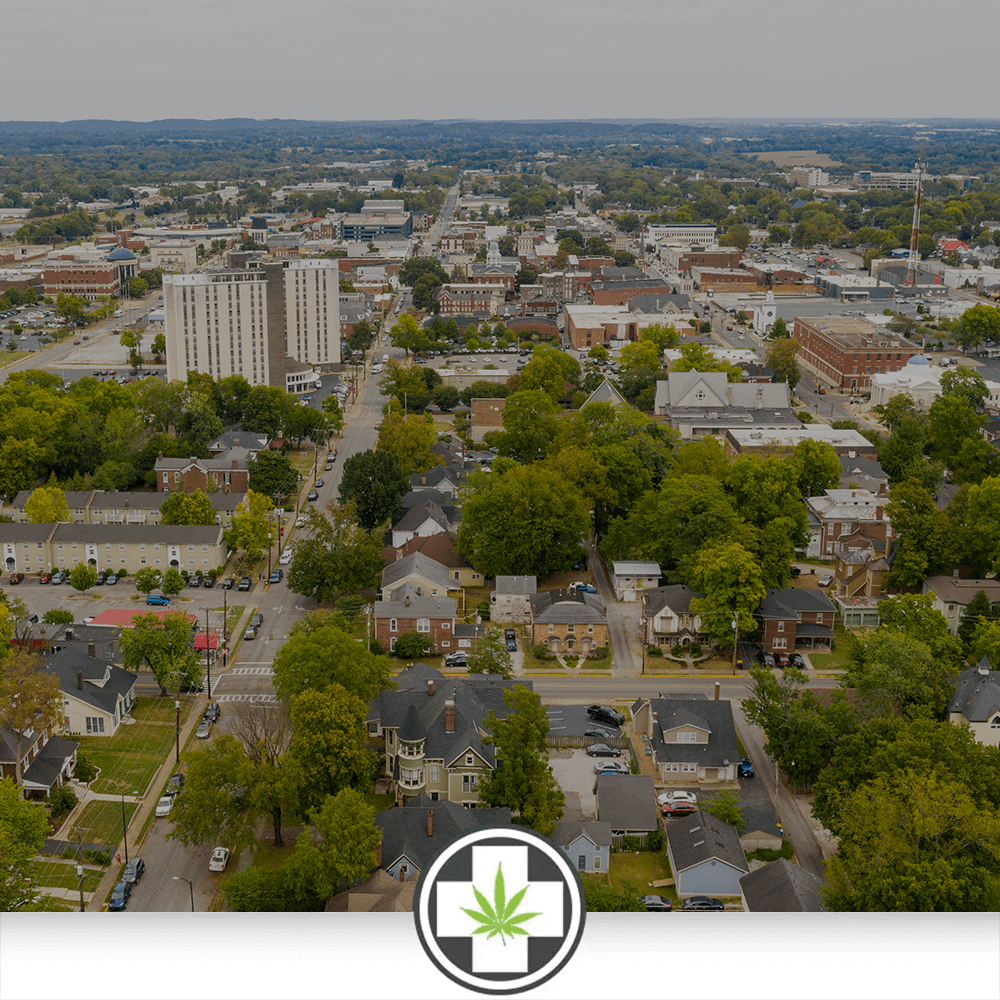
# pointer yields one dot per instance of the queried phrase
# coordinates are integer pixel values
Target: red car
(45, 578)
(678, 808)
(16, 578)
(781, 660)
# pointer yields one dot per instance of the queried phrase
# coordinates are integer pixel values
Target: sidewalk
(147, 805)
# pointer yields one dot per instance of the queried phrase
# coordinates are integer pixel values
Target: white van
(385, 358)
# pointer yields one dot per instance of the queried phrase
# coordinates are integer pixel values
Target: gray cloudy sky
(351, 59)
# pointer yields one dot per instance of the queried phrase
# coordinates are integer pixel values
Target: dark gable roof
(432, 479)
(567, 832)
(678, 598)
(404, 830)
(627, 801)
(782, 887)
(474, 697)
(977, 694)
(701, 837)
(74, 659)
(170, 534)
(567, 606)
(46, 767)
(789, 603)
(418, 514)
(716, 716)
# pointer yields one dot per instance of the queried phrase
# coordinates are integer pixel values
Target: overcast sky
(385, 59)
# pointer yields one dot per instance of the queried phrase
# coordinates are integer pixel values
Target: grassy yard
(101, 822)
(62, 875)
(641, 869)
(379, 802)
(9, 357)
(129, 759)
(827, 661)
(560, 581)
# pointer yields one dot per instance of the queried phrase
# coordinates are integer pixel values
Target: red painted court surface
(122, 617)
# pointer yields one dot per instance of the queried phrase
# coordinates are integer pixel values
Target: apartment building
(177, 256)
(254, 321)
(38, 548)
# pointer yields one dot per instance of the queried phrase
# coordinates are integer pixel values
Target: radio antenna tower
(911, 270)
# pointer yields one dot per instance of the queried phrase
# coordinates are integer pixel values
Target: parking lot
(574, 772)
(572, 720)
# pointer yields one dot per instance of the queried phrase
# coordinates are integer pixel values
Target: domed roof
(918, 359)
(121, 253)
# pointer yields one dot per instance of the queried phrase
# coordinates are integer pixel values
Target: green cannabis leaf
(501, 918)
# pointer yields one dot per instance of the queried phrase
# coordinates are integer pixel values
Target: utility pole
(911, 271)
(208, 653)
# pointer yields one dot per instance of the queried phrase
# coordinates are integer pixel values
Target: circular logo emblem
(500, 910)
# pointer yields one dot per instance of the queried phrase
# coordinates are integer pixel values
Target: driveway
(623, 620)
(574, 772)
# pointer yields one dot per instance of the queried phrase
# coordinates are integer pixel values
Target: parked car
(112, 580)
(157, 599)
(204, 730)
(456, 660)
(601, 734)
(702, 903)
(276, 576)
(313, 496)
(229, 583)
(174, 785)
(319, 484)
(208, 582)
(101, 577)
(44, 577)
(606, 714)
(656, 904)
(212, 712)
(134, 870)
(16, 578)
(509, 633)
(512, 645)
(120, 896)
(825, 580)
(677, 797)
(765, 659)
(245, 583)
(286, 556)
(58, 578)
(678, 808)
(795, 660)
(300, 522)
(745, 769)
(164, 806)
(194, 581)
(602, 750)
(250, 633)
(611, 767)
(780, 660)
(256, 619)
(219, 859)
(328, 467)
(586, 588)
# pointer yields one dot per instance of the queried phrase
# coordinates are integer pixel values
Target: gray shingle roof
(568, 832)
(716, 716)
(68, 662)
(977, 694)
(701, 837)
(516, 585)
(419, 564)
(627, 801)
(407, 603)
(782, 887)
(176, 534)
(789, 603)
(678, 598)
(560, 606)
(417, 515)
(404, 830)
(46, 767)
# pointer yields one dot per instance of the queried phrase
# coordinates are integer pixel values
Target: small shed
(587, 844)
(630, 579)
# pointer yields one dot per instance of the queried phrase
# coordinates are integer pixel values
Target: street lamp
(190, 887)
(177, 731)
(124, 826)
(79, 875)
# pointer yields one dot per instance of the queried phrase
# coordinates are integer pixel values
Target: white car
(611, 767)
(672, 797)
(286, 556)
(300, 522)
(164, 806)
(219, 859)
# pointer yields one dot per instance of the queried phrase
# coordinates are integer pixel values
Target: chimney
(406, 603)
(878, 512)
(423, 480)
(449, 716)
(92, 650)
(430, 822)
(430, 689)
(718, 688)
(79, 680)
(234, 463)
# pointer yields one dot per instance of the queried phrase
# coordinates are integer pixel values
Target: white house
(976, 703)
(952, 596)
(511, 600)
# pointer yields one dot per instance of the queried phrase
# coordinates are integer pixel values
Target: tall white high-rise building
(271, 324)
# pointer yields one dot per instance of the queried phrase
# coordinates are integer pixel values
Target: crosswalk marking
(268, 698)
(253, 671)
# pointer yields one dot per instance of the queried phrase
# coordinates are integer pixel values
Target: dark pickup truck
(603, 713)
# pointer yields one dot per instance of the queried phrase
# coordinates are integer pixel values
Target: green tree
(526, 521)
(259, 890)
(147, 579)
(492, 655)
(737, 236)
(530, 426)
(407, 334)
(325, 656)
(982, 517)
(30, 697)
(82, 577)
(58, 616)
(415, 267)
(781, 357)
(173, 582)
(952, 420)
(412, 645)
(329, 743)
(159, 348)
(163, 646)
(23, 830)
(730, 578)
(337, 557)
(603, 898)
(979, 608)
(981, 322)
(46, 505)
(641, 353)
(273, 476)
(376, 483)
(986, 642)
(930, 539)
(698, 358)
(724, 805)
(818, 465)
(266, 410)
(524, 783)
(187, 508)
(779, 331)
(18, 461)
(251, 526)
(337, 848)
(967, 382)
(446, 398)
(409, 438)
(915, 616)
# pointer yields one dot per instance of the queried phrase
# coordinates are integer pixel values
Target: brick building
(838, 514)
(229, 474)
(792, 619)
(846, 351)
(568, 621)
(620, 293)
(468, 299)
(487, 415)
(682, 258)
(412, 611)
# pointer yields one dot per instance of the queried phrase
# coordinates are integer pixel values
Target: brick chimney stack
(92, 650)
(430, 822)
(430, 689)
(79, 680)
(449, 716)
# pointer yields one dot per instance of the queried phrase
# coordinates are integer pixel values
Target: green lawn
(9, 357)
(641, 869)
(101, 822)
(62, 875)
(379, 802)
(826, 661)
(129, 759)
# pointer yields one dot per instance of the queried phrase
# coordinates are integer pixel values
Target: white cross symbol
(543, 898)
